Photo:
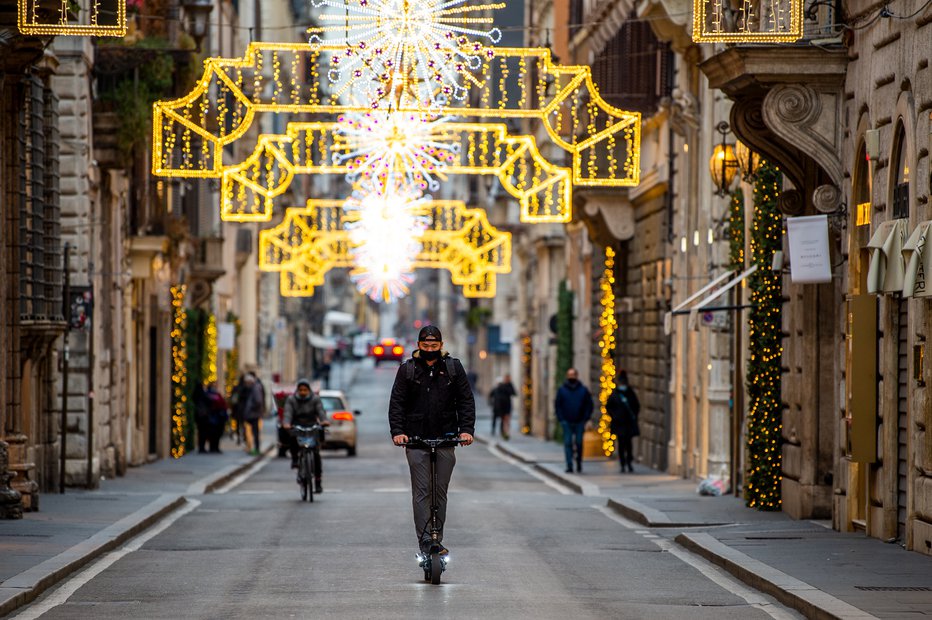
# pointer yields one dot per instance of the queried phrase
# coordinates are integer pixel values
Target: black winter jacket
(431, 403)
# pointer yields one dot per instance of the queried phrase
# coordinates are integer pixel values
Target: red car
(387, 349)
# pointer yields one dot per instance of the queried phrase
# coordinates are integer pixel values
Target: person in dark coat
(431, 399)
(253, 408)
(573, 408)
(201, 417)
(216, 418)
(623, 407)
(500, 398)
(304, 408)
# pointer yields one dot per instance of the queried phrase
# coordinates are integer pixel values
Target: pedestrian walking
(253, 409)
(500, 398)
(623, 407)
(573, 406)
(238, 399)
(431, 399)
(216, 418)
(201, 417)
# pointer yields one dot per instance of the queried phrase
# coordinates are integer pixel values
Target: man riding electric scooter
(431, 399)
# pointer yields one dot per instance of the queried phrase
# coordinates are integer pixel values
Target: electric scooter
(432, 562)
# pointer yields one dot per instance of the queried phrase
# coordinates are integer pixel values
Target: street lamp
(197, 13)
(723, 165)
(748, 160)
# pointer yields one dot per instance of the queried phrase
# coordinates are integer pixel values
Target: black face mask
(430, 355)
(572, 381)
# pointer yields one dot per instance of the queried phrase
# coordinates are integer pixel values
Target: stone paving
(804, 564)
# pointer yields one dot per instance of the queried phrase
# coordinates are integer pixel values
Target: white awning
(320, 342)
(335, 317)
(918, 262)
(887, 268)
(688, 306)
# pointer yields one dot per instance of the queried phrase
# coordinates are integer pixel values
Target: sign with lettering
(810, 259)
(918, 262)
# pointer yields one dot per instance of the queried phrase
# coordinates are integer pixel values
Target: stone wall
(643, 349)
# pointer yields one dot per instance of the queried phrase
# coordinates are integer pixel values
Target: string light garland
(179, 430)
(736, 231)
(424, 48)
(603, 137)
(209, 370)
(608, 326)
(312, 240)
(764, 419)
(81, 18)
(527, 385)
(746, 21)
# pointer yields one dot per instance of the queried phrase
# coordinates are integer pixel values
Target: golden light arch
(190, 133)
(312, 240)
(543, 190)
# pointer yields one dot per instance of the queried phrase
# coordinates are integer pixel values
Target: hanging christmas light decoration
(543, 190)
(747, 21)
(87, 18)
(312, 240)
(384, 233)
(429, 48)
(380, 144)
(190, 133)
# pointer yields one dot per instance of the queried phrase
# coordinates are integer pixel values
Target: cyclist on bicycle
(431, 399)
(303, 408)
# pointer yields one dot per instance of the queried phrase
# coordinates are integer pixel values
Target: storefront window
(901, 168)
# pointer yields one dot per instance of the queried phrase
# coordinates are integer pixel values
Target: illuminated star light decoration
(380, 144)
(425, 48)
(385, 238)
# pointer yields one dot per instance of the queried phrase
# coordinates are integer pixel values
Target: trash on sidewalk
(713, 486)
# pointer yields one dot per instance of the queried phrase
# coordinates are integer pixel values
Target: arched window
(901, 172)
(862, 188)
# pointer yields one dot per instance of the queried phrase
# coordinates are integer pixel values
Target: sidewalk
(804, 564)
(73, 529)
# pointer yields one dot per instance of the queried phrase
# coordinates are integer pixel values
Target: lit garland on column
(527, 387)
(736, 231)
(209, 370)
(608, 324)
(764, 422)
(179, 373)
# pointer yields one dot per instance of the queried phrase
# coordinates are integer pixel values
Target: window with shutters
(634, 70)
(901, 170)
(576, 17)
(35, 192)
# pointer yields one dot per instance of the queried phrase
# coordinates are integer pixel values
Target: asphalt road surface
(520, 548)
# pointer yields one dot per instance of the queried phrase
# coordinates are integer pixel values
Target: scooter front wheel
(436, 567)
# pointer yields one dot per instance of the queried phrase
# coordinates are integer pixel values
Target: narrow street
(520, 548)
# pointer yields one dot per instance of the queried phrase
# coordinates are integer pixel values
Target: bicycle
(308, 439)
(432, 562)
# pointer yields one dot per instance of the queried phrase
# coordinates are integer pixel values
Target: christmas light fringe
(386, 143)
(428, 48)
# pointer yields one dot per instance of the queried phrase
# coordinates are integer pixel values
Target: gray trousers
(419, 464)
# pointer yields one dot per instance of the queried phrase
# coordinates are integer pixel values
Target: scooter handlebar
(417, 442)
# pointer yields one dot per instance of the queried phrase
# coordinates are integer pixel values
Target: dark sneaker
(443, 551)
(294, 464)
(318, 487)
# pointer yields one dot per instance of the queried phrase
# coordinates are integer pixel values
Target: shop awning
(887, 268)
(335, 317)
(706, 295)
(918, 262)
(320, 342)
